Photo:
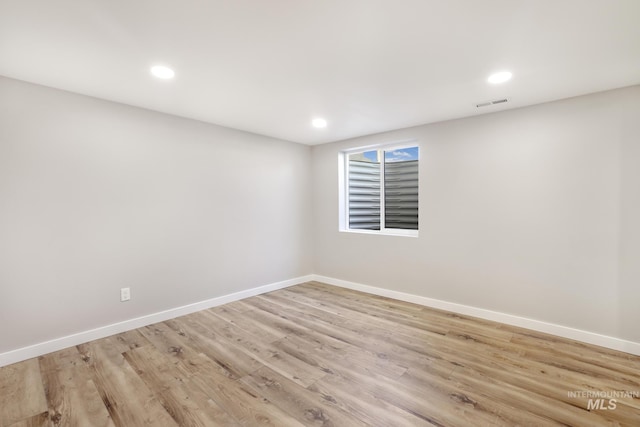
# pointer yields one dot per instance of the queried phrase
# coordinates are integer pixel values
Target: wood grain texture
(318, 355)
(40, 420)
(21, 392)
(72, 396)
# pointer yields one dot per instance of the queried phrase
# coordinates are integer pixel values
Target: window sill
(397, 233)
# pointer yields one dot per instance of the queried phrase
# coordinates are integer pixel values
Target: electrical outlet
(125, 294)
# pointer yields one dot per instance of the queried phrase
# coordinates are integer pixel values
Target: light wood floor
(317, 355)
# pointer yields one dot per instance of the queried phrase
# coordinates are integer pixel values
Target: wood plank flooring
(317, 355)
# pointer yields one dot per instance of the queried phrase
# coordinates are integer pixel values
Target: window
(379, 190)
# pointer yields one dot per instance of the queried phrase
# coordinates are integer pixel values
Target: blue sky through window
(371, 155)
(401, 155)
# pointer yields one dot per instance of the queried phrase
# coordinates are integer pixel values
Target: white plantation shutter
(364, 195)
(401, 195)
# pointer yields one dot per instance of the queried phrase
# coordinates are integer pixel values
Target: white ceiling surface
(367, 66)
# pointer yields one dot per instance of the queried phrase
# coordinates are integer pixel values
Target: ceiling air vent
(497, 101)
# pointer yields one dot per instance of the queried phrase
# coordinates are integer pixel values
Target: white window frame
(343, 183)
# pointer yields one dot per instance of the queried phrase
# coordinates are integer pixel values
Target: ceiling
(366, 66)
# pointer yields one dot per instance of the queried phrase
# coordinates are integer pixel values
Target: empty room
(319, 213)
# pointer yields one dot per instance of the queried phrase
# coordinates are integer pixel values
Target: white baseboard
(56, 344)
(509, 319)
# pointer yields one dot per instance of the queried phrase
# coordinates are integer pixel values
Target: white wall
(95, 196)
(532, 212)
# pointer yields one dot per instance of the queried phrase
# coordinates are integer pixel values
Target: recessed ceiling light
(319, 123)
(501, 77)
(162, 72)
